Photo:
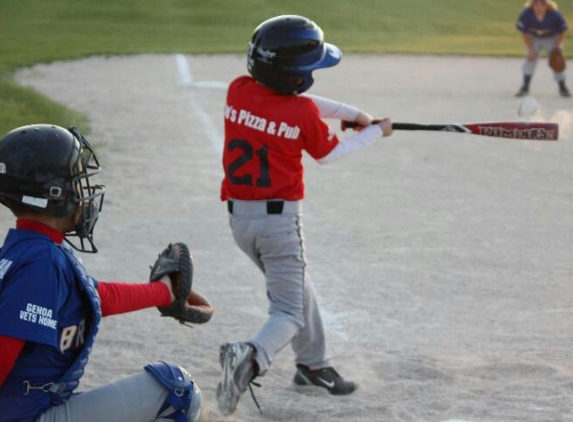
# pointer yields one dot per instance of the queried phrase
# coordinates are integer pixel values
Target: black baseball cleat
(523, 91)
(326, 378)
(564, 91)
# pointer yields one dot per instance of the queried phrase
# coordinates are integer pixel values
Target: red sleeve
(320, 139)
(118, 298)
(10, 349)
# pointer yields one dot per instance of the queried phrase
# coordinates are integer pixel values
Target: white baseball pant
(539, 43)
(275, 243)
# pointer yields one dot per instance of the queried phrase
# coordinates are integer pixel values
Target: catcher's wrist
(162, 294)
(167, 282)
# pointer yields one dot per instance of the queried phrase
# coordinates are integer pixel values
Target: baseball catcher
(175, 262)
(50, 305)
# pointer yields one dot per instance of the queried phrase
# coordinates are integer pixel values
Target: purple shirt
(552, 24)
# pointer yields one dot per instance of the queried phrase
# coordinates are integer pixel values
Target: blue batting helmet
(284, 51)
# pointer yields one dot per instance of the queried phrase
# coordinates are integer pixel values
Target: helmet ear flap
(296, 81)
(300, 82)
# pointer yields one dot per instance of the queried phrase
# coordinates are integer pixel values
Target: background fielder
(267, 127)
(543, 27)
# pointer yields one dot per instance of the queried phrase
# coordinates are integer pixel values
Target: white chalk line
(461, 420)
(185, 78)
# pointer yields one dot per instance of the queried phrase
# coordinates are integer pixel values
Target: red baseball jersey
(265, 134)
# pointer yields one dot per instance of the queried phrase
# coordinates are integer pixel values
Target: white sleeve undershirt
(334, 109)
(359, 140)
(356, 142)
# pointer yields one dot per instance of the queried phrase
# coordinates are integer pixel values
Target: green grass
(33, 31)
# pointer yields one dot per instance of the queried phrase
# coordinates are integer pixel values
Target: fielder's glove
(557, 60)
(189, 306)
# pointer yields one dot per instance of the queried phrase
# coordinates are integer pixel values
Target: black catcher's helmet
(48, 168)
(285, 50)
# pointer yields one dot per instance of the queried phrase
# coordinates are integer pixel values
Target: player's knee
(290, 309)
(184, 398)
(294, 317)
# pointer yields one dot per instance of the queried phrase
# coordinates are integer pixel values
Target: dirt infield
(443, 262)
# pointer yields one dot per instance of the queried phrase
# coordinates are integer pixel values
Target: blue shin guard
(183, 397)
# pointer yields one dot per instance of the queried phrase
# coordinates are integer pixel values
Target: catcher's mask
(47, 168)
(285, 50)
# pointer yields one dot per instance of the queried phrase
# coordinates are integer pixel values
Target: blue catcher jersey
(45, 302)
(553, 23)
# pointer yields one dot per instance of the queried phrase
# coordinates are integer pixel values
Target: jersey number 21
(248, 154)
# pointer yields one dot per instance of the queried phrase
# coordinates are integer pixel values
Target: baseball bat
(510, 130)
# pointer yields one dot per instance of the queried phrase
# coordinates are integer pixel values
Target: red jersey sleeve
(10, 349)
(319, 138)
(119, 298)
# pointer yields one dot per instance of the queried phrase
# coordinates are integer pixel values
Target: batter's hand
(386, 126)
(531, 54)
(363, 119)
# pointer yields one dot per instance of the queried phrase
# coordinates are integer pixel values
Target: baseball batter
(543, 27)
(268, 125)
(50, 307)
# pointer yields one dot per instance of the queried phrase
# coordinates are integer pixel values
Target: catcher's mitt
(188, 306)
(557, 60)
